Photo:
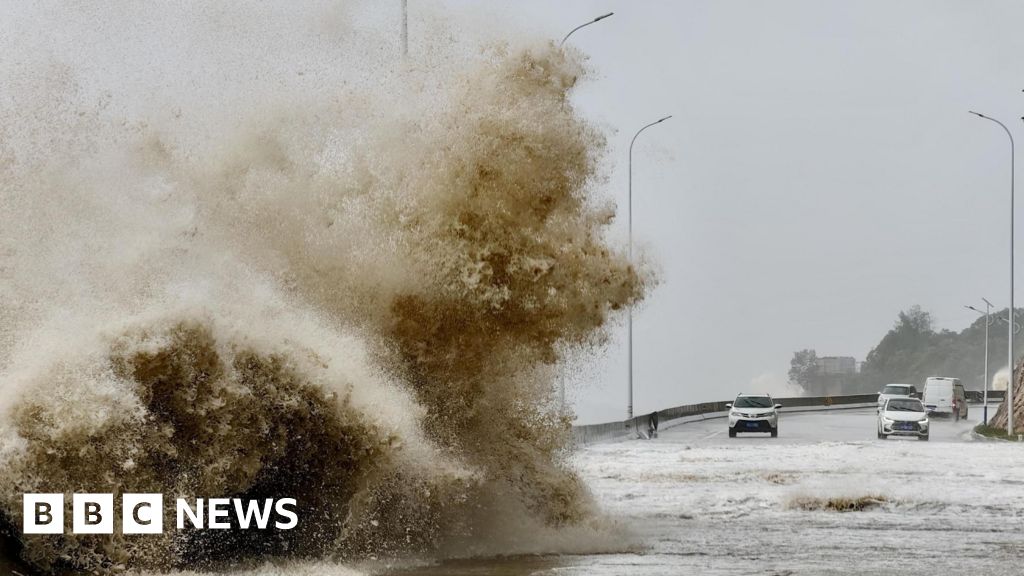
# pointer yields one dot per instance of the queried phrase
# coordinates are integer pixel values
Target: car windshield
(891, 389)
(753, 402)
(904, 405)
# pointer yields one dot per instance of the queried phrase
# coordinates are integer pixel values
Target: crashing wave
(353, 297)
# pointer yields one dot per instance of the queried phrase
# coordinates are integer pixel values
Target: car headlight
(923, 422)
(887, 420)
(733, 413)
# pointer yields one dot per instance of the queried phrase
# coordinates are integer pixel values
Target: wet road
(826, 497)
(814, 427)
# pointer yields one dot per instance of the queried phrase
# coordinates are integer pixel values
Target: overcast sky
(820, 174)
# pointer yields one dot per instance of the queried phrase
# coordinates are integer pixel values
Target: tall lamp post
(562, 43)
(598, 19)
(1010, 315)
(629, 408)
(988, 322)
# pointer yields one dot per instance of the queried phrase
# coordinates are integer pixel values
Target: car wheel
(883, 436)
(956, 415)
(923, 438)
(732, 433)
(775, 432)
(966, 412)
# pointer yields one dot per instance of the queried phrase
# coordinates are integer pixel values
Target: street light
(984, 401)
(629, 409)
(598, 19)
(562, 43)
(1009, 316)
(1016, 325)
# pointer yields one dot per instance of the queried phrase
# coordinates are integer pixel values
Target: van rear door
(938, 395)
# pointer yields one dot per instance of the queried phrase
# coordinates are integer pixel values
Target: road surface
(695, 501)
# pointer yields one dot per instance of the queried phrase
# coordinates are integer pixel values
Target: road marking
(712, 435)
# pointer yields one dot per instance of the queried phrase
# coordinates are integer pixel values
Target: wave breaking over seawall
(303, 268)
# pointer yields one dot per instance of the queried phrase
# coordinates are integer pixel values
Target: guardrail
(976, 396)
(669, 417)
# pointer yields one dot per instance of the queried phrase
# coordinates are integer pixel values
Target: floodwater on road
(826, 497)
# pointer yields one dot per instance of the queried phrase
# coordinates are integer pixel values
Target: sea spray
(350, 296)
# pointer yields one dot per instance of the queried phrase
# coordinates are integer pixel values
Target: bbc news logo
(144, 514)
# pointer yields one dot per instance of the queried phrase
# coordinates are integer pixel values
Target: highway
(695, 501)
(815, 427)
(825, 497)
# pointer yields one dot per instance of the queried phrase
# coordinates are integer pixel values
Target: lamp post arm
(630, 199)
(1012, 326)
(584, 25)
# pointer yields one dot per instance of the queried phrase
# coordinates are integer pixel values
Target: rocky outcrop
(999, 420)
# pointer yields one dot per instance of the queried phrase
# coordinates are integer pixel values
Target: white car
(896, 391)
(903, 417)
(753, 413)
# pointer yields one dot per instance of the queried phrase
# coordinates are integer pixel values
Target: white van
(945, 396)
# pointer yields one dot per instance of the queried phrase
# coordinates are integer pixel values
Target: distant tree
(803, 369)
(912, 351)
(915, 320)
(905, 351)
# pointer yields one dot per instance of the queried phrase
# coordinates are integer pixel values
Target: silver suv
(753, 413)
(896, 391)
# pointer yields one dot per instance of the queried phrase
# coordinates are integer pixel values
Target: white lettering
(253, 510)
(282, 511)
(185, 510)
(218, 509)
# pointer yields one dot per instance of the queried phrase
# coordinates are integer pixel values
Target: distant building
(836, 365)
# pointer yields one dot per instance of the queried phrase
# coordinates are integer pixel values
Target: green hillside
(912, 351)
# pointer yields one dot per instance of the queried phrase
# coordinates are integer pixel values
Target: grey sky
(821, 173)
